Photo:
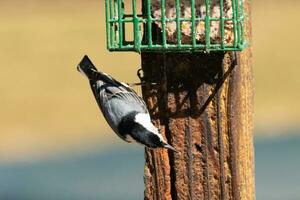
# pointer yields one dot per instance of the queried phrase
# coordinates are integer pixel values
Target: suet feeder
(175, 25)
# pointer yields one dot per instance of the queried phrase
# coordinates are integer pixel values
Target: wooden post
(203, 105)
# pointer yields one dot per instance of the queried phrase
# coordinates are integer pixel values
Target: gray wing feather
(131, 97)
(117, 102)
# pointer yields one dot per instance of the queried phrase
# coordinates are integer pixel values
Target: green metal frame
(116, 18)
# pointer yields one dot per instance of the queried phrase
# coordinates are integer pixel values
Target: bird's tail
(88, 69)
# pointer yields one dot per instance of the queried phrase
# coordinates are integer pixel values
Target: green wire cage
(175, 25)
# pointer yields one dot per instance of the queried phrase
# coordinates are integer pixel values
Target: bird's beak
(167, 146)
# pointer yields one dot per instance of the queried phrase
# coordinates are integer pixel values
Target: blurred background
(54, 143)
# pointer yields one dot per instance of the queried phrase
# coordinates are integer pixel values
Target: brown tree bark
(203, 104)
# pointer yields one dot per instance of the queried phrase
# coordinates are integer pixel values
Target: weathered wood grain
(203, 104)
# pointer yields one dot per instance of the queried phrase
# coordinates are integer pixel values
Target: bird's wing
(117, 89)
(131, 98)
(127, 96)
(117, 102)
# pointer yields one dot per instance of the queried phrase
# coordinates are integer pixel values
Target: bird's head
(148, 134)
(157, 141)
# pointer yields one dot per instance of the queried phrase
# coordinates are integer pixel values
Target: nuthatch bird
(123, 109)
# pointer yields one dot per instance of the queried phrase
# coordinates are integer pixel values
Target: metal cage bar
(149, 24)
(107, 18)
(120, 22)
(234, 8)
(241, 23)
(193, 23)
(178, 21)
(163, 23)
(136, 35)
(222, 23)
(207, 25)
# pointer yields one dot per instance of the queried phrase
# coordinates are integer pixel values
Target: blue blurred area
(118, 174)
(110, 175)
(277, 165)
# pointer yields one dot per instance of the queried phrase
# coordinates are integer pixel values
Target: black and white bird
(123, 109)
